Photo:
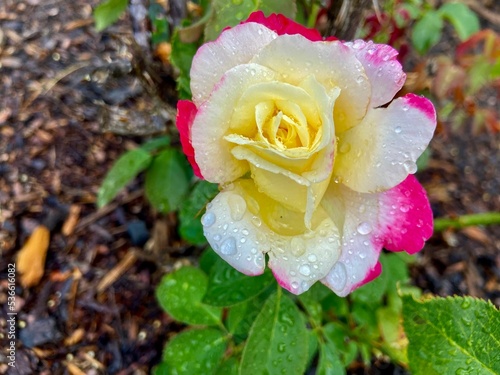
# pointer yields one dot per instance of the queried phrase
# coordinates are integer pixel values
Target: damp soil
(71, 102)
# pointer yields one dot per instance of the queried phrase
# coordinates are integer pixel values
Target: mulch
(70, 105)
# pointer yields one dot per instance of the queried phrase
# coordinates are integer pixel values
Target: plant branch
(486, 218)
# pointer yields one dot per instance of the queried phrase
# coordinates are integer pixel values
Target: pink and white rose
(313, 155)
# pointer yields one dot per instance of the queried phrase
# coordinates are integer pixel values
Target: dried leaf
(31, 258)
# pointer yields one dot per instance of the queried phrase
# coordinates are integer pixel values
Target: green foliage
(230, 13)
(180, 294)
(197, 351)
(227, 286)
(428, 28)
(181, 58)
(192, 209)
(462, 18)
(329, 360)
(276, 342)
(109, 12)
(427, 32)
(123, 171)
(458, 335)
(167, 180)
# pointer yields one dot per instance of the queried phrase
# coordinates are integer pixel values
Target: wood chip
(113, 275)
(69, 225)
(31, 258)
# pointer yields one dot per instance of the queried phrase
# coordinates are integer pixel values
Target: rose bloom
(313, 156)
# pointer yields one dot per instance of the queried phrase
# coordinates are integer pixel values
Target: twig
(486, 218)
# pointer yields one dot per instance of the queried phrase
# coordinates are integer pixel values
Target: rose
(313, 159)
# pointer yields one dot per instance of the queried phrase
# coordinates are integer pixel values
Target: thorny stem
(485, 218)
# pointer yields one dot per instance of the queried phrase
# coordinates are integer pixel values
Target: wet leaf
(277, 342)
(329, 360)
(129, 165)
(229, 367)
(181, 58)
(193, 208)
(108, 13)
(454, 335)
(197, 351)
(427, 32)
(230, 13)
(156, 144)
(167, 180)
(227, 286)
(464, 20)
(180, 294)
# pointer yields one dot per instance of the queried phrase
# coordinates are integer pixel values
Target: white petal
(356, 214)
(380, 152)
(382, 68)
(241, 236)
(230, 228)
(233, 47)
(331, 63)
(212, 151)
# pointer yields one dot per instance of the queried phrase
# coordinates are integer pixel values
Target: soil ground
(94, 311)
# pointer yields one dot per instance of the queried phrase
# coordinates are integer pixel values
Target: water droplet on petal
(397, 129)
(238, 207)
(404, 208)
(298, 246)
(345, 148)
(295, 285)
(410, 166)
(208, 219)
(364, 228)
(256, 221)
(337, 277)
(305, 270)
(228, 246)
(312, 258)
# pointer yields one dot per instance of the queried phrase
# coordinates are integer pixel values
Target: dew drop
(410, 166)
(238, 207)
(256, 221)
(360, 79)
(404, 208)
(298, 246)
(364, 228)
(337, 277)
(345, 148)
(397, 129)
(217, 237)
(305, 270)
(312, 258)
(228, 246)
(245, 232)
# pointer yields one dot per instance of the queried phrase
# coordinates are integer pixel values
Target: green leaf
(167, 180)
(208, 259)
(227, 286)
(338, 334)
(161, 369)
(311, 300)
(464, 20)
(230, 13)
(329, 360)
(156, 144)
(197, 351)
(108, 12)
(277, 343)
(123, 171)
(427, 32)
(459, 335)
(192, 209)
(394, 270)
(181, 58)
(241, 316)
(180, 294)
(228, 367)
